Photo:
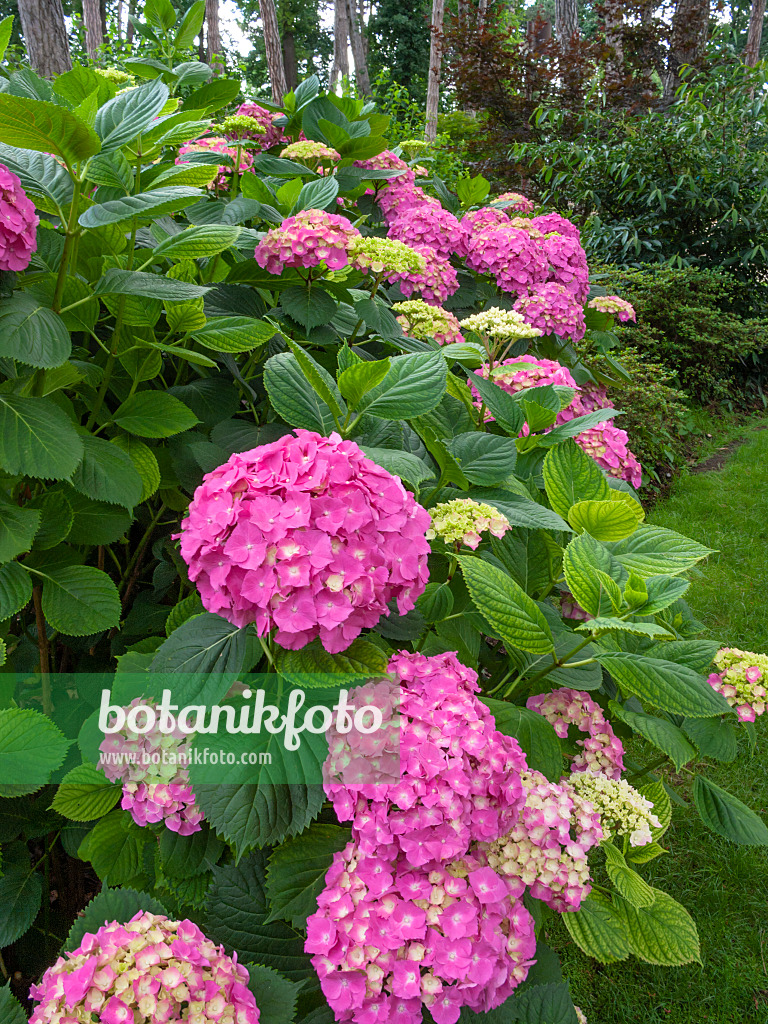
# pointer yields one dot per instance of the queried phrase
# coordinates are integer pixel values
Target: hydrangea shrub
(270, 406)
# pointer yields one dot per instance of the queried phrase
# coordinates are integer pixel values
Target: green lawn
(725, 887)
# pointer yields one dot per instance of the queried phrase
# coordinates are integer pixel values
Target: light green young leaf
(605, 520)
(629, 884)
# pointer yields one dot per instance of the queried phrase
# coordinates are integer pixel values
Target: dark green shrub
(701, 325)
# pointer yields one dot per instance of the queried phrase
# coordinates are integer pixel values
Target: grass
(724, 887)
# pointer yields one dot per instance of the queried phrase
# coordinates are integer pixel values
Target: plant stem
(128, 577)
(236, 172)
(43, 648)
(72, 232)
(648, 768)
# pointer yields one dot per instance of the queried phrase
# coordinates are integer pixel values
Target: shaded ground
(725, 887)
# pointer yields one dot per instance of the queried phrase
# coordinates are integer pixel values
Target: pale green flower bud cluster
(500, 323)
(385, 254)
(464, 520)
(623, 811)
(115, 75)
(425, 322)
(305, 149)
(241, 125)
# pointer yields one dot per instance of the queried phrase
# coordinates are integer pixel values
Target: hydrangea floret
(547, 847)
(399, 197)
(622, 810)
(427, 323)
(553, 309)
(307, 536)
(431, 226)
(602, 751)
(741, 678)
(218, 144)
(152, 769)
(385, 256)
(307, 239)
(310, 152)
(614, 305)
(463, 521)
(457, 778)
(571, 609)
(149, 970)
(435, 284)
(18, 223)
(390, 938)
(516, 201)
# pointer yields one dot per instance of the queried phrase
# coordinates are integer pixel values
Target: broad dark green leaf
(79, 600)
(32, 333)
(509, 610)
(724, 814)
(15, 589)
(534, 733)
(154, 414)
(107, 474)
(123, 118)
(37, 438)
(413, 386)
(31, 748)
(485, 459)
(146, 206)
(46, 128)
(236, 913)
(293, 397)
(309, 307)
(296, 872)
(151, 286)
(111, 905)
(21, 893)
(664, 684)
(18, 526)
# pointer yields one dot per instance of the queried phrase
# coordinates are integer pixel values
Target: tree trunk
(274, 50)
(103, 10)
(614, 41)
(129, 29)
(340, 67)
(690, 26)
(482, 11)
(214, 35)
(288, 46)
(362, 79)
(119, 20)
(45, 36)
(566, 23)
(755, 33)
(435, 67)
(94, 35)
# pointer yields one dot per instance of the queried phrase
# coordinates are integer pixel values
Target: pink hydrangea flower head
(517, 202)
(553, 309)
(614, 305)
(742, 678)
(510, 256)
(609, 447)
(549, 222)
(602, 752)
(273, 135)
(388, 161)
(218, 144)
(458, 777)
(308, 536)
(307, 239)
(310, 152)
(485, 217)
(464, 521)
(151, 970)
(521, 372)
(401, 197)
(435, 284)
(18, 223)
(431, 226)
(428, 323)
(152, 768)
(546, 849)
(567, 263)
(389, 939)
